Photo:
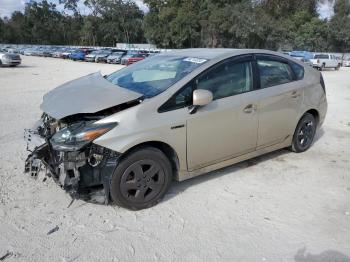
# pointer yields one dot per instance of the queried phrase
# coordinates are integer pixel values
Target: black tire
(141, 179)
(304, 133)
(322, 67)
(338, 67)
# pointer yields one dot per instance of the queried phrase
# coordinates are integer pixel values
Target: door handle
(250, 108)
(295, 94)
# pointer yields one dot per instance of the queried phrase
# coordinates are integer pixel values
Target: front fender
(175, 138)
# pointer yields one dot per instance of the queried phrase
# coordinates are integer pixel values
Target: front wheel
(338, 67)
(141, 179)
(304, 133)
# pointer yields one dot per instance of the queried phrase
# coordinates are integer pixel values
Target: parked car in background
(303, 56)
(91, 57)
(177, 115)
(58, 53)
(135, 58)
(13, 51)
(346, 61)
(77, 55)
(67, 52)
(322, 61)
(28, 51)
(98, 55)
(129, 54)
(115, 57)
(44, 52)
(9, 59)
(304, 60)
(102, 56)
(80, 54)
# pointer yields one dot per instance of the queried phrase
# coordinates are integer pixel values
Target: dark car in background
(44, 52)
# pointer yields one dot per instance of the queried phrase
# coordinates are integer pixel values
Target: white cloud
(141, 5)
(325, 9)
(9, 6)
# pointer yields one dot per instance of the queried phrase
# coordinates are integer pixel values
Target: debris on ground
(56, 228)
(7, 255)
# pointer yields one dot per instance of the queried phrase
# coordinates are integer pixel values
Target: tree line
(270, 24)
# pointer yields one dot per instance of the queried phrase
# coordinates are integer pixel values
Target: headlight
(78, 135)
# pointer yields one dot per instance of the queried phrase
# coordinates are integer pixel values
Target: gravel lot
(279, 207)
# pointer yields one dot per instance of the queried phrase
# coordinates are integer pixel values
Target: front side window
(274, 73)
(228, 79)
(154, 75)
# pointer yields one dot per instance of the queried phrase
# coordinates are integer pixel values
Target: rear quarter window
(298, 70)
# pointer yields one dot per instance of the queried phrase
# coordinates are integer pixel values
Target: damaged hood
(88, 94)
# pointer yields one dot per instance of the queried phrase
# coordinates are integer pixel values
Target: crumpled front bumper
(84, 174)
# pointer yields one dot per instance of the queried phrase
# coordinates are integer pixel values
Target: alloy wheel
(306, 133)
(142, 181)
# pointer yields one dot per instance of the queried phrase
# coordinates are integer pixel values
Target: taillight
(318, 61)
(322, 83)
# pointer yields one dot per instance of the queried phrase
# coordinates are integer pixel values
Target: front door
(227, 127)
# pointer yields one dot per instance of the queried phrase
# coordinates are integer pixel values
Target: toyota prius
(124, 137)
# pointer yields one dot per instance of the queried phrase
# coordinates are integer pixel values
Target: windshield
(154, 75)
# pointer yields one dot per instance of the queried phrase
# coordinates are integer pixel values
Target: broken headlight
(78, 135)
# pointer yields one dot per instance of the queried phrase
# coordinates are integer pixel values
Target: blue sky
(8, 6)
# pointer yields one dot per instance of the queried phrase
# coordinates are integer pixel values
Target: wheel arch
(313, 112)
(168, 151)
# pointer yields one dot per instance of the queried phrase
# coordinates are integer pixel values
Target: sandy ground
(279, 207)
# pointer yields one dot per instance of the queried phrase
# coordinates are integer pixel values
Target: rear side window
(298, 70)
(274, 73)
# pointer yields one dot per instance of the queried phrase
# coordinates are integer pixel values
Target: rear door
(280, 97)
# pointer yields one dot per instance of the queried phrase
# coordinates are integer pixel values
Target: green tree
(340, 26)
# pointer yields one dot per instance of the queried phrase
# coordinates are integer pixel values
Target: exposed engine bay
(65, 151)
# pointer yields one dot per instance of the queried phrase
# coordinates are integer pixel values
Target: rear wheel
(304, 133)
(141, 179)
(338, 67)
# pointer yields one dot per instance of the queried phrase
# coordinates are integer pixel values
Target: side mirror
(202, 97)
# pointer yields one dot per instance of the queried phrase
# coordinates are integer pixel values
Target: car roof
(211, 53)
